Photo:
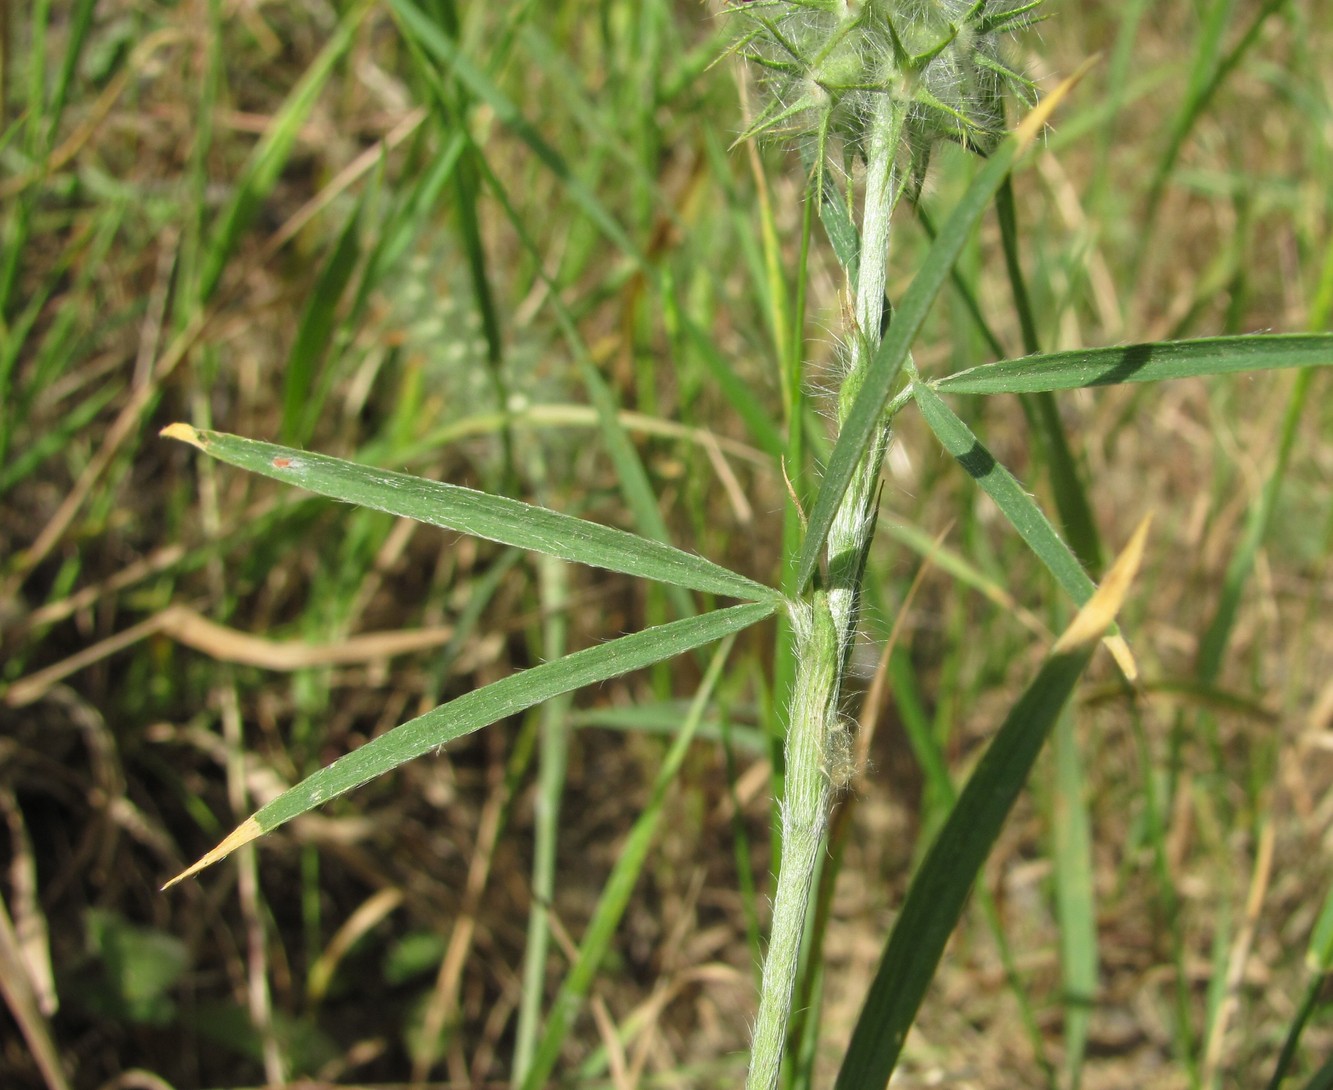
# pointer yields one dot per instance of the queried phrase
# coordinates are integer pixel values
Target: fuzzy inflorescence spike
(828, 63)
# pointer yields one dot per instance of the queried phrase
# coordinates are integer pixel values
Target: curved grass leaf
(271, 154)
(418, 25)
(631, 475)
(1075, 899)
(1319, 962)
(1009, 496)
(1142, 363)
(1210, 70)
(1063, 471)
(495, 518)
(79, 22)
(1213, 646)
(865, 418)
(1323, 1078)
(938, 891)
(739, 393)
(480, 708)
(302, 390)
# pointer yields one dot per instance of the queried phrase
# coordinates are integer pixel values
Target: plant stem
(854, 524)
(804, 820)
(824, 629)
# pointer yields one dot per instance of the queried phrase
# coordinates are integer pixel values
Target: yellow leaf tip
(1031, 126)
(185, 433)
(245, 832)
(1124, 657)
(1098, 613)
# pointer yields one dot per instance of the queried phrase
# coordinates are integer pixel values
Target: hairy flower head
(831, 64)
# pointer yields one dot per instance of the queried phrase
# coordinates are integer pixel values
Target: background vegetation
(446, 242)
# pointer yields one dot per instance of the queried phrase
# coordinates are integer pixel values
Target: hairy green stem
(804, 821)
(854, 524)
(823, 631)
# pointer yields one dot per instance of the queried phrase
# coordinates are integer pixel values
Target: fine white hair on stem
(800, 616)
(878, 81)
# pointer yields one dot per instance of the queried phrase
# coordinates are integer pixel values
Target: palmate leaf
(1141, 363)
(482, 707)
(495, 518)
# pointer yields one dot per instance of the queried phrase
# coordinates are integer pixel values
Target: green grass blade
(865, 418)
(739, 394)
(1319, 961)
(1006, 214)
(1208, 74)
(941, 797)
(1152, 362)
(553, 580)
(635, 486)
(403, 225)
(1117, 91)
(1067, 488)
(466, 195)
(960, 569)
(39, 21)
(967, 296)
(598, 128)
(301, 405)
(480, 708)
(937, 894)
(57, 439)
(1323, 1078)
(615, 895)
(1203, 80)
(1062, 468)
(452, 105)
(436, 42)
(270, 155)
(80, 21)
(1010, 497)
(664, 718)
(1074, 900)
(37, 347)
(935, 900)
(1214, 644)
(1319, 956)
(496, 518)
(774, 298)
(632, 477)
